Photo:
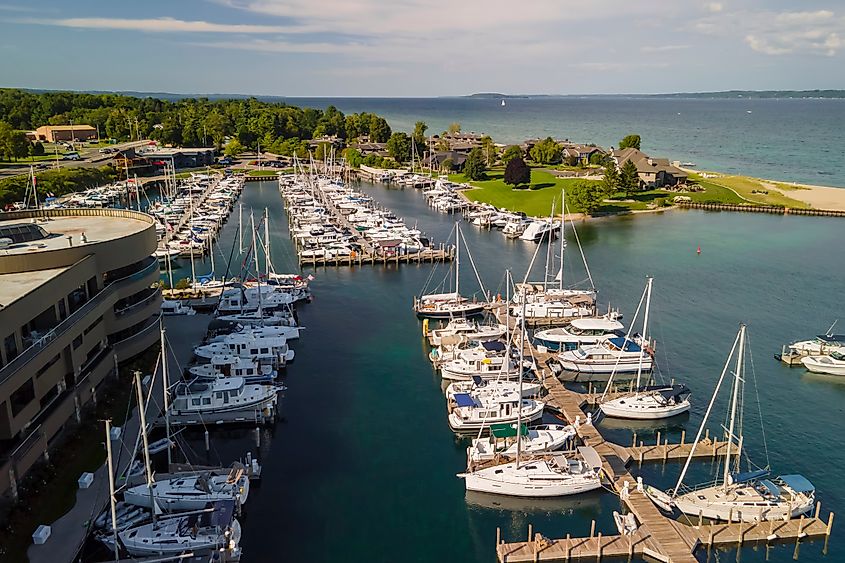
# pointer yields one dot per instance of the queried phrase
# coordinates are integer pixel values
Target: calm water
(363, 466)
(790, 140)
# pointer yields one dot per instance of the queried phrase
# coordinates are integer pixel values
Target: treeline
(188, 121)
(57, 182)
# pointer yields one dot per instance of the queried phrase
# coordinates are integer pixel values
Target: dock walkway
(658, 537)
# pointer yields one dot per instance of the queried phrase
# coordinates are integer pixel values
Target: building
(455, 160)
(59, 133)
(78, 293)
(180, 157)
(456, 142)
(578, 152)
(368, 148)
(653, 172)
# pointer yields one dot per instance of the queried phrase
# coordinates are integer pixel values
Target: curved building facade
(77, 295)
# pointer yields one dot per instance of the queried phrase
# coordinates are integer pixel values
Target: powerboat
(831, 364)
(616, 355)
(579, 332)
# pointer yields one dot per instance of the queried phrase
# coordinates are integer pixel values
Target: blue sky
(422, 48)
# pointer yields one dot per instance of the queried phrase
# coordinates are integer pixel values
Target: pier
(751, 208)
(657, 537)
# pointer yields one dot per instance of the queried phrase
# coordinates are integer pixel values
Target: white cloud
(164, 25)
(714, 7)
(663, 48)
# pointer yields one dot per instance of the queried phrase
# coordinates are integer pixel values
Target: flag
(33, 181)
(310, 277)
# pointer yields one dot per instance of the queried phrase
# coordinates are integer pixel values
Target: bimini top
(507, 430)
(797, 483)
(832, 338)
(493, 346)
(599, 323)
(464, 400)
(674, 391)
(628, 346)
(749, 476)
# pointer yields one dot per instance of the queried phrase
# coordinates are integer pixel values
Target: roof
(96, 228)
(797, 483)
(68, 127)
(16, 285)
(493, 346)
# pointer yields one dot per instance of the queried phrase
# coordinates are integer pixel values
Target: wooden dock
(443, 254)
(657, 537)
(753, 208)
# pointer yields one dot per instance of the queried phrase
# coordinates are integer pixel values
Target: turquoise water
(362, 468)
(789, 140)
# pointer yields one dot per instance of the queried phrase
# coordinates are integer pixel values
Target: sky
(387, 48)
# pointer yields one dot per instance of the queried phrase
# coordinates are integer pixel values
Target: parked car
(71, 156)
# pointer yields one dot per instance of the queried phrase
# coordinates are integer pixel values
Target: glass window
(22, 396)
(195, 402)
(10, 345)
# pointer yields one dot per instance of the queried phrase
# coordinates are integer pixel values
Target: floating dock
(657, 537)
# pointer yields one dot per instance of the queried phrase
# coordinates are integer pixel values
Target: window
(92, 326)
(206, 400)
(24, 395)
(77, 342)
(195, 402)
(43, 369)
(10, 345)
(62, 310)
(265, 350)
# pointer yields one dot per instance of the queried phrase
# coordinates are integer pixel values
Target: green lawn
(263, 172)
(29, 160)
(536, 201)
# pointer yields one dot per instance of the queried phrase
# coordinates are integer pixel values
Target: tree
(36, 149)
(18, 145)
(447, 165)
(546, 151)
(379, 129)
(419, 136)
(517, 172)
(6, 140)
(234, 148)
(585, 196)
(610, 182)
(399, 147)
(630, 141)
(571, 160)
(474, 168)
(598, 158)
(510, 153)
(454, 127)
(353, 157)
(488, 147)
(629, 180)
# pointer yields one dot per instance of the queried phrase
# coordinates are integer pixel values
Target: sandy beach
(818, 197)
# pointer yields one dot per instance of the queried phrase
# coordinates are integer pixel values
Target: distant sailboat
(503, 103)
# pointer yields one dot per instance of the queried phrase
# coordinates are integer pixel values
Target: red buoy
(699, 250)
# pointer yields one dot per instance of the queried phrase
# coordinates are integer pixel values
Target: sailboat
(503, 103)
(449, 305)
(546, 475)
(742, 496)
(646, 403)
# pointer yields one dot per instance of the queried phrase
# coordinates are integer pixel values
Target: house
(456, 158)
(578, 152)
(367, 148)
(181, 157)
(457, 142)
(57, 133)
(653, 172)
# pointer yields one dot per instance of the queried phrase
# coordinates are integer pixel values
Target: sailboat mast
(111, 488)
(165, 378)
(519, 370)
(734, 402)
(562, 238)
(457, 259)
(508, 304)
(704, 420)
(645, 331)
(241, 227)
(147, 468)
(267, 241)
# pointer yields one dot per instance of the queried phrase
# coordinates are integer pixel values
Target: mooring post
(740, 531)
(730, 515)
(530, 531)
(658, 437)
(683, 436)
(498, 536)
(700, 518)
(829, 524)
(598, 549)
(592, 529)
(634, 442)
(800, 525)
(818, 510)
(569, 546)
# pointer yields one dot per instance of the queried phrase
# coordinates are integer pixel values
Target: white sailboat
(453, 304)
(741, 496)
(548, 475)
(646, 403)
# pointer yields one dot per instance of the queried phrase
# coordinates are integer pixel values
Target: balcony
(103, 299)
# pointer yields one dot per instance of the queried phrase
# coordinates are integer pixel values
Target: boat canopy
(832, 338)
(478, 381)
(771, 488)
(590, 456)
(674, 391)
(507, 430)
(749, 475)
(797, 483)
(628, 346)
(464, 400)
(493, 346)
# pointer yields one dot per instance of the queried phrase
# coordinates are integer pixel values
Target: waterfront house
(653, 172)
(457, 160)
(367, 148)
(578, 152)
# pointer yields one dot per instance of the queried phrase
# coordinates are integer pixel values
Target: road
(91, 158)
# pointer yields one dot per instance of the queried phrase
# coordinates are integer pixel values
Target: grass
(263, 172)
(536, 201)
(744, 189)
